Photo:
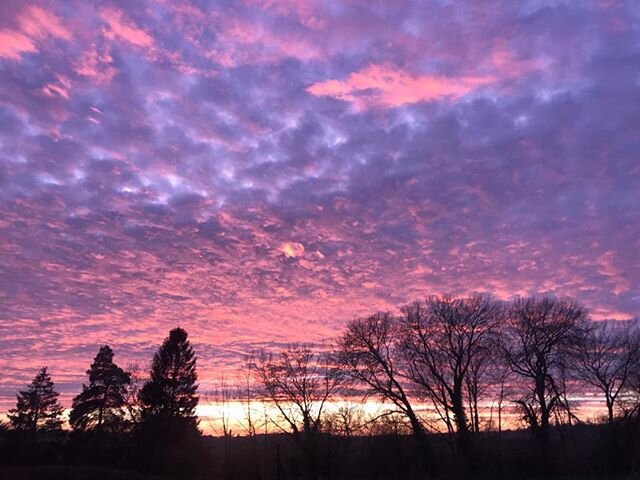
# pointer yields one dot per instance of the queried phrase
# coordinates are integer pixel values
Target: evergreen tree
(170, 394)
(101, 404)
(38, 408)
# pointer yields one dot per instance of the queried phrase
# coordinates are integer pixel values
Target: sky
(260, 172)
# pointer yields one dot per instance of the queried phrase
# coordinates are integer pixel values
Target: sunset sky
(261, 171)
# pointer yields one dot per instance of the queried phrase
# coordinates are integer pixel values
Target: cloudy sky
(261, 171)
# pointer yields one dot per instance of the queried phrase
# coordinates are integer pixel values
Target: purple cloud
(261, 172)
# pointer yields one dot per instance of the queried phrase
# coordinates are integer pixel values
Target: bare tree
(346, 420)
(630, 400)
(370, 355)
(539, 336)
(500, 386)
(246, 394)
(220, 399)
(606, 359)
(132, 400)
(478, 382)
(447, 342)
(298, 383)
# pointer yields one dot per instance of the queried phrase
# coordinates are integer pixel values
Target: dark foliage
(168, 439)
(169, 397)
(37, 408)
(101, 404)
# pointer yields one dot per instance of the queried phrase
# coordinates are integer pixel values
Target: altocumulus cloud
(261, 171)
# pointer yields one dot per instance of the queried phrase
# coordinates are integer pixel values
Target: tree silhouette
(37, 408)
(300, 383)
(539, 337)
(100, 405)
(170, 394)
(607, 357)
(446, 341)
(370, 354)
(132, 397)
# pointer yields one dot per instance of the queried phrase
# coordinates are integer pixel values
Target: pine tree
(37, 408)
(101, 405)
(170, 394)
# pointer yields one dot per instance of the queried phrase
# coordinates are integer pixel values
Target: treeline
(470, 360)
(114, 419)
(111, 402)
(458, 354)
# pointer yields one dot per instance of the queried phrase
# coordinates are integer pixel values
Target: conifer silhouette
(37, 408)
(100, 405)
(170, 394)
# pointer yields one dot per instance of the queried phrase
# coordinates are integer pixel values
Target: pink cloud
(243, 41)
(14, 44)
(37, 22)
(99, 65)
(242, 209)
(120, 28)
(504, 62)
(615, 275)
(306, 11)
(96, 65)
(59, 88)
(383, 86)
(34, 24)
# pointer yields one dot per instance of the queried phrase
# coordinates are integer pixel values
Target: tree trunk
(542, 433)
(462, 435)
(610, 409)
(424, 445)
(544, 436)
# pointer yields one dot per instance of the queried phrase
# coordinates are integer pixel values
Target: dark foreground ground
(103, 473)
(578, 452)
(58, 472)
